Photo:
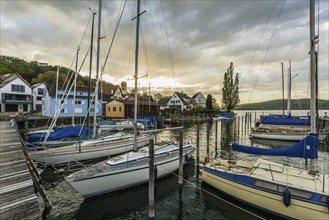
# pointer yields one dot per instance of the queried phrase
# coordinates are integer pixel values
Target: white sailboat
(127, 170)
(286, 191)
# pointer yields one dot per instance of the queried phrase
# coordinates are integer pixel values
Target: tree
(209, 105)
(215, 104)
(230, 90)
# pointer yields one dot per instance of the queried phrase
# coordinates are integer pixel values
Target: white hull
(285, 137)
(282, 136)
(115, 179)
(265, 199)
(96, 150)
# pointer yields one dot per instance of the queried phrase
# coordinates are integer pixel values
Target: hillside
(296, 104)
(33, 73)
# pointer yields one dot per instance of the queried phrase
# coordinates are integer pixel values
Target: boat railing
(295, 172)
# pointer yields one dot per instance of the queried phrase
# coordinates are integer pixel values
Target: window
(266, 185)
(40, 91)
(114, 109)
(39, 98)
(17, 88)
(78, 102)
(120, 109)
(63, 110)
(109, 109)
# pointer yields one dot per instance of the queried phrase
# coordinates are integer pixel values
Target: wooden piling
(151, 180)
(208, 136)
(197, 149)
(216, 138)
(180, 180)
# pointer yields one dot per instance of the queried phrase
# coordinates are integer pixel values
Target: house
(181, 101)
(147, 106)
(115, 109)
(37, 94)
(112, 92)
(163, 102)
(71, 105)
(199, 99)
(15, 94)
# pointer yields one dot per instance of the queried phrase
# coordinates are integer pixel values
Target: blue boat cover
(228, 115)
(306, 148)
(284, 120)
(59, 134)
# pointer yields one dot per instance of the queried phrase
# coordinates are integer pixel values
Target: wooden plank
(18, 199)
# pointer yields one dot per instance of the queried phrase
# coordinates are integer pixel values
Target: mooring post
(151, 180)
(208, 136)
(216, 138)
(180, 180)
(197, 149)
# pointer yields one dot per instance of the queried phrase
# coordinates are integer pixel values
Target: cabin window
(114, 109)
(266, 185)
(324, 199)
(297, 192)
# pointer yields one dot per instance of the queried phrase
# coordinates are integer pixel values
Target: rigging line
(114, 34)
(169, 51)
(252, 59)
(268, 47)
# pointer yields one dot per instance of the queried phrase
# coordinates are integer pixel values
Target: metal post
(208, 136)
(151, 180)
(180, 180)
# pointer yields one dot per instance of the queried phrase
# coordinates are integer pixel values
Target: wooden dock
(18, 198)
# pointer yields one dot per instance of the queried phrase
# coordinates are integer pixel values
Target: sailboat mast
(283, 106)
(136, 76)
(312, 67)
(289, 90)
(90, 67)
(97, 66)
(75, 84)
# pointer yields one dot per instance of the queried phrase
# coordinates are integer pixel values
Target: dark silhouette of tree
(209, 103)
(230, 90)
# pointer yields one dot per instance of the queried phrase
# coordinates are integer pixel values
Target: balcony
(16, 98)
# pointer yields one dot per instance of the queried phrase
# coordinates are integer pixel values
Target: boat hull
(267, 201)
(125, 178)
(72, 153)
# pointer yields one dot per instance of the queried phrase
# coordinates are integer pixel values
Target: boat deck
(18, 199)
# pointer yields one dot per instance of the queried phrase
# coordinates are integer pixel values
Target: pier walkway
(18, 199)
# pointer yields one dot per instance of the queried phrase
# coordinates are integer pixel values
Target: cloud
(185, 44)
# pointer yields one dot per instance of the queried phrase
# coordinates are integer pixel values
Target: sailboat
(94, 148)
(283, 127)
(288, 192)
(130, 169)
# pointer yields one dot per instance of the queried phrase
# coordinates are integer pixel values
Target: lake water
(193, 201)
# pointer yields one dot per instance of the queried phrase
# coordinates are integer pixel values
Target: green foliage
(209, 102)
(230, 90)
(215, 104)
(33, 73)
(198, 108)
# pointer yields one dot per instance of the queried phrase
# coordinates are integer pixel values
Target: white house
(181, 100)
(15, 94)
(37, 93)
(200, 99)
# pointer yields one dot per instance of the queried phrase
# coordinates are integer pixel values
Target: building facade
(69, 105)
(15, 94)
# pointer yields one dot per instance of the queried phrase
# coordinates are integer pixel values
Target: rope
(268, 47)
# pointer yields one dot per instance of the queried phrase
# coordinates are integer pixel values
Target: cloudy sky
(184, 45)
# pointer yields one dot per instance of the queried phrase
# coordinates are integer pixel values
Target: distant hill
(296, 104)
